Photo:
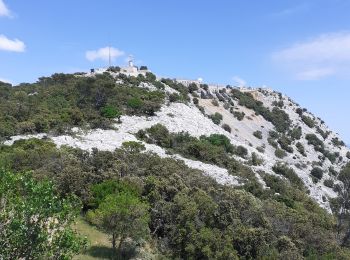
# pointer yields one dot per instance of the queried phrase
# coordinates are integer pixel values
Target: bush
(317, 143)
(216, 118)
(239, 115)
(285, 143)
(241, 151)
(215, 102)
(135, 103)
(301, 148)
(308, 121)
(258, 134)
(195, 101)
(329, 183)
(174, 97)
(227, 128)
(110, 112)
(280, 153)
(192, 87)
(289, 173)
(317, 173)
(296, 133)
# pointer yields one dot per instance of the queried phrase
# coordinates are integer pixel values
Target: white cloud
(4, 11)
(323, 56)
(103, 54)
(11, 45)
(315, 74)
(239, 81)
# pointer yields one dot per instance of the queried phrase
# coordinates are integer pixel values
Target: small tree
(111, 112)
(123, 216)
(35, 223)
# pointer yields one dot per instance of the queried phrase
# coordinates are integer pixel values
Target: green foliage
(315, 142)
(308, 121)
(296, 133)
(227, 128)
(110, 112)
(195, 101)
(133, 147)
(280, 153)
(216, 118)
(35, 221)
(192, 87)
(285, 143)
(191, 216)
(121, 214)
(239, 115)
(62, 101)
(277, 117)
(317, 173)
(337, 142)
(301, 148)
(258, 134)
(290, 174)
(135, 103)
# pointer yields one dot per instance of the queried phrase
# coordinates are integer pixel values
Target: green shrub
(308, 121)
(195, 101)
(329, 183)
(315, 142)
(301, 148)
(174, 97)
(258, 134)
(135, 103)
(285, 143)
(289, 173)
(215, 102)
(241, 151)
(296, 133)
(110, 112)
(216, 118)
(317, 173)
(280, 153)
(192, 87)
(227, 128)
(239, 115)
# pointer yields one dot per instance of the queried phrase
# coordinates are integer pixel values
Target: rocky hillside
(225, 172)
(266, 125)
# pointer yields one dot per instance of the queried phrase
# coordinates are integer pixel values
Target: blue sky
(301, 48)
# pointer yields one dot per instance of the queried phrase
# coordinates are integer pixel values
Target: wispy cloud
(104, 54)
(239, 81)
(4, 11)
(15, 45)
(323, 56)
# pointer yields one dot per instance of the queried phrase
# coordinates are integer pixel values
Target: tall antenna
(109, 55)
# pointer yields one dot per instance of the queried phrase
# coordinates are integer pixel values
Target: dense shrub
(258, 134)
(300, 148)
(239, 115)
(216, 118)
(227, 128)
(285, 143)
(192, 87)
(308, 121)
(296, 133)
(315, 142)
(280, 153)
(195, 101)
(191, 216)
(317, 173)
(289, 173)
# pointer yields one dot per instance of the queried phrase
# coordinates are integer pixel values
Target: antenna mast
(109, 55)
